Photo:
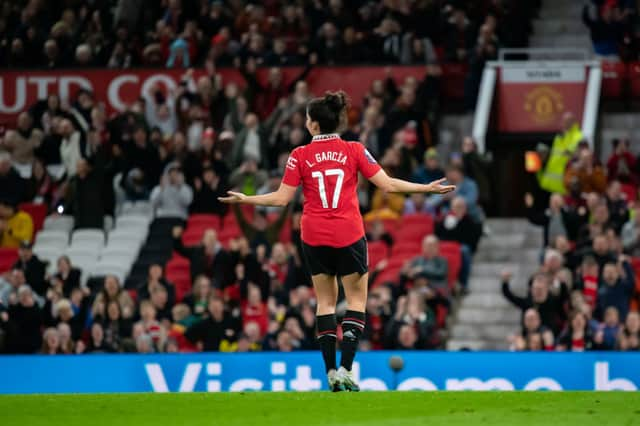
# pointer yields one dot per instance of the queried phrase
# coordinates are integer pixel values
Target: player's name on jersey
(331, 156)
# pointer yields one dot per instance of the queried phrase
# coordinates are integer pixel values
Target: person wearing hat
(430, 169)
(15, 225)
(34, 268)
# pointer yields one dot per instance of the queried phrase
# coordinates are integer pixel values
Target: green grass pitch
(323, 408)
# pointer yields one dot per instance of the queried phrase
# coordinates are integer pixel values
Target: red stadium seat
(630, 191)
(405, 250)
(450, 250)
(204, 221)
(228, 232)
(378, 251)
(614, 75)
(634, 79)
(38, 213)
(414, 228)
(8, 257)
(178, 272)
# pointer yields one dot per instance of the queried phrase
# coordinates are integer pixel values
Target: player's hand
(233, 198)
(436, 187)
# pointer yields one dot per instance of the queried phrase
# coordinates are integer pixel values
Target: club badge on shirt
(370, 158)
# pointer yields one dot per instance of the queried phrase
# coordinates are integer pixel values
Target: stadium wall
(303, 371)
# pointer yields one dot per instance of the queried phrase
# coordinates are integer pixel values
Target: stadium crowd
(614, 27)
(584, 296)
(181, 150)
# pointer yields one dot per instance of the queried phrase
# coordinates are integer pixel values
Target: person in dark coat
(25, 322)
(154, 279)
(215, 328)
(207, 189)
(457, 225)
(12, 186)
(34, 269)
(207, 258)
(550, 307)
(84, 197)
(67, 277)
(616, 287)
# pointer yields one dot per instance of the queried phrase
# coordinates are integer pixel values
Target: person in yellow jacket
(15, 226)
(551, 177)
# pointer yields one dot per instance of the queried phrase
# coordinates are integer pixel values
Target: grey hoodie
(171, 200)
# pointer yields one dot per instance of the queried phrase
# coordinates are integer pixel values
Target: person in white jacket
(173, 196)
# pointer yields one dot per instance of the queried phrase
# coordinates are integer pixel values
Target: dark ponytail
(329, 111)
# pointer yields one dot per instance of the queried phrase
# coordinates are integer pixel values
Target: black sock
(327, 326)
(352, 328)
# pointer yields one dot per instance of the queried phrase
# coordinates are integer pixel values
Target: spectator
(621, 165)
(84, 198)
(40, 187)
(154, 280)
(606, 30)
(430, 170)
(411, 327)
(115, 327)
(459, 37)
(16, 226)
(248, 177)
(12, 186)
(532, 330)
(429, 265)
(616, 287)
(208, 189)
(34, 269)
(25, 321)
(465, 188)
(198, 299)
(458, 226)
(539, 297)
(608, 332)
(584, 175)
(631, 233)
(67, 277)
(51, 342)
(22, 142)
(97, 343)
(477, 167)
(67, 345)
(629, 337)
(113, 292)
(142, 166)
(72, 147)
(208, 258)
(577, 336)
(217, 327)
(617, 205)
(173, 196)
(557, 220)
(261, 231)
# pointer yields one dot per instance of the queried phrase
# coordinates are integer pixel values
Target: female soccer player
(333, 234)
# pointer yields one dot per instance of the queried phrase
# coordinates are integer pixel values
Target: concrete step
(458, 344)
(581, 41)
(486, 301)
(493, 285)
(509, 316)
(505, 254)
(493, 269)
(558, 26)
(558, 10)
(482, 331)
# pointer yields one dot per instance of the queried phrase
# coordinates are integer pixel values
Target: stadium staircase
(560, 25)
(484, 318)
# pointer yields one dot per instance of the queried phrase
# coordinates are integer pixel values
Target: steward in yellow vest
(564, 146)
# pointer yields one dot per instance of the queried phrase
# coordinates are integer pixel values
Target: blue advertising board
(303, 371)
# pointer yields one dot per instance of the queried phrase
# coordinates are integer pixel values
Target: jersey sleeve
(292, 176)
(367, 165)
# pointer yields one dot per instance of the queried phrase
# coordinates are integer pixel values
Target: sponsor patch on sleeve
(370, 158)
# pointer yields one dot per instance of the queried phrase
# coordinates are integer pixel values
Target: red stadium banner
(118, 88)
(534, 99)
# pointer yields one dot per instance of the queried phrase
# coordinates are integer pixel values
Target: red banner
(534, 100)
(118, 88)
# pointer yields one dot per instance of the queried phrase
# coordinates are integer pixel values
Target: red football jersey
(328, 169)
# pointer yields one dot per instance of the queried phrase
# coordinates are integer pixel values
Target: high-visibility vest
(564, 145)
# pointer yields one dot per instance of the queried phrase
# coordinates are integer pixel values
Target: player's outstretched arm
(385, 182)
(279, 198)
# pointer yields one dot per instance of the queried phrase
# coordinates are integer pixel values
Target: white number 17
(322, 187)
